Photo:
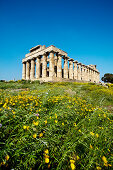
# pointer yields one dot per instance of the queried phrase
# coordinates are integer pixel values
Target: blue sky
(82, 28)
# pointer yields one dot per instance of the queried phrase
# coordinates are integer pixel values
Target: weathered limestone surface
(75, 70)
(44, 66)
(66, 67)
(79, 71)
(71, 68)
(24, 71)
(28, 71)
(32, 76)
(51, 64)
(48, 61)
(38, 68)
(59, 66)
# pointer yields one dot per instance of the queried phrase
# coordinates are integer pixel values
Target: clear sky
(82, 28)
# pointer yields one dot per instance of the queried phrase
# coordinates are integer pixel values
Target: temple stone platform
(52, 64)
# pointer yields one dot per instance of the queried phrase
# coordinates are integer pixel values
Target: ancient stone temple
(53, 64)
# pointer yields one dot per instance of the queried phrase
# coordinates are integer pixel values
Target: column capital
(51, 51)
(59, 54)
(79, 63)
(71, 59)
(23, 62)
(65, 57)
(75, 61)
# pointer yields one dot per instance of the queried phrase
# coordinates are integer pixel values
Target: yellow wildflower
(97, 135)
(36, 123)
(24, 127)
(92, 133)
(79, 130)
(7, 157)
(72, 161)
(46, 156)
(40, 135)
(45, 122)
(72, 166)
(98, 168)
(27, 127)
(74, 124)
(77, 157)
(104, 159)
(91, 146)
(62, 124)
(3, 163)
(104, 115)
(46, 151)
(56, 121)
(46, 160)
(109, 165)
(35, 135)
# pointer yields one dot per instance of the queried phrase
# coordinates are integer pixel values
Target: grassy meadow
(58, 126)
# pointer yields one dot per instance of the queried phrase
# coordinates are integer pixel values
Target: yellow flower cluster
(25, 127)
(46, 156)
(73, 167)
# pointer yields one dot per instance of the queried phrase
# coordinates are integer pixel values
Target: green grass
(74, 122)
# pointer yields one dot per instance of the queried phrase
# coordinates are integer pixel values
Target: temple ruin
(52, 64)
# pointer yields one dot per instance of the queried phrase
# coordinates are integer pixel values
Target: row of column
(76, 70)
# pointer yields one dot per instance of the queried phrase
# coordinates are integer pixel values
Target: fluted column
(44, 66)
(51, 64)
(55, 67)
(79, 71)
(38, 68)
(75, 70)
(83, 72)
(71, 68)
(28, 70)
(59, 66)
(66, 67)
(24, 71)
(32, 76)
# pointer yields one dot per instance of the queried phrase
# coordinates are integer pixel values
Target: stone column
(32, 76)
(88, 78)
(59, 66)
(71, 68)
(44, 66)
(28, 70)
(83, 72)
(55, 67)
(24, 71)
(66, 67)
(75, 70)
(51, 64)
(38, 68)
(79, 71)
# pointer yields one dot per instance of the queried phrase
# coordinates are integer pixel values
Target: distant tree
(108, 78)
